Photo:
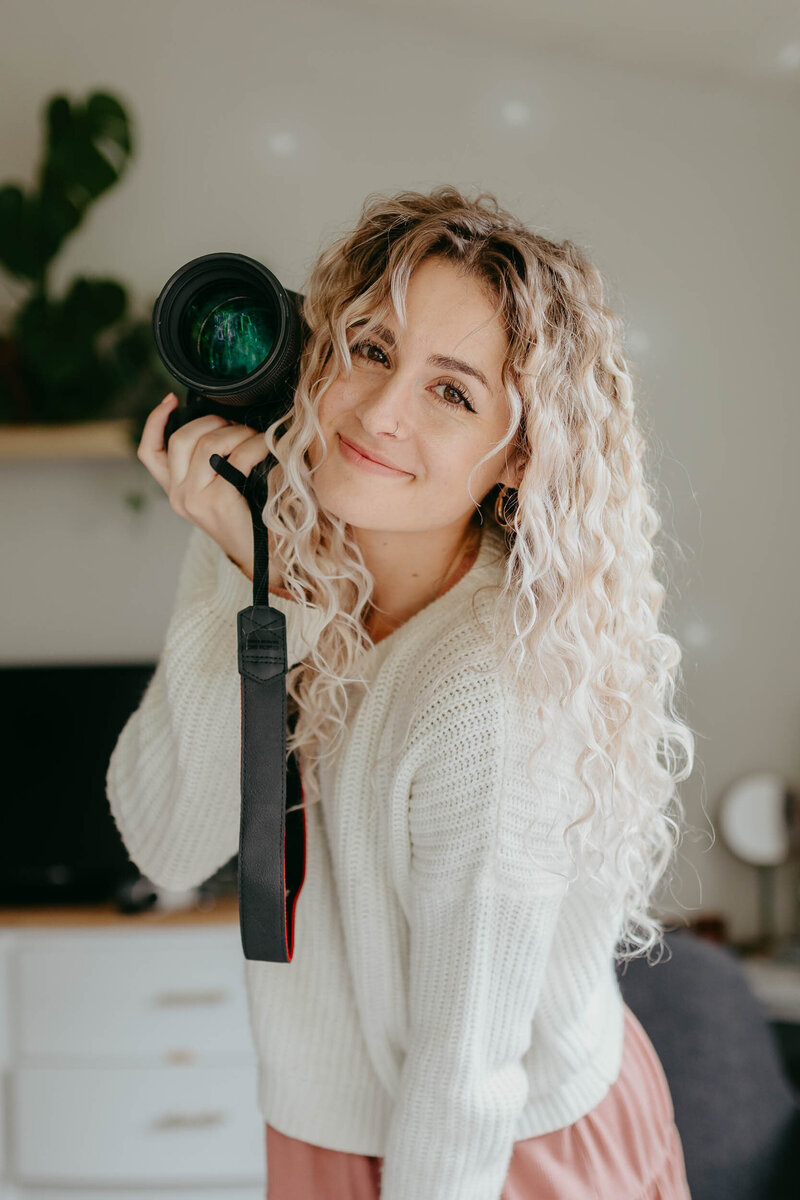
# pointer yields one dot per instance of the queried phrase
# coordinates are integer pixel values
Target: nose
(383, 408)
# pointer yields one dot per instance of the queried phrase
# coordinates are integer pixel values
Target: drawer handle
(179, 1120)
(211, 996)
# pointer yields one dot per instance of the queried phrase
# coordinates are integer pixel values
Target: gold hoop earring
(499, 506)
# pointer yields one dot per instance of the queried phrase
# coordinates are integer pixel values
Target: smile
(351, 455)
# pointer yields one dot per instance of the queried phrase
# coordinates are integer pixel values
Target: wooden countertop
(216, 911)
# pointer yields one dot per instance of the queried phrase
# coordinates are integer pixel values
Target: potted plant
(80, 356)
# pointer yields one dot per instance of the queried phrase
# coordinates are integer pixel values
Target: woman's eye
(358, 347)
(450, 385)
(462, 400)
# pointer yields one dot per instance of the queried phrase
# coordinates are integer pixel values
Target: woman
(481, 693)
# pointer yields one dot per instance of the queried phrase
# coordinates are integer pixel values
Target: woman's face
(431, 420)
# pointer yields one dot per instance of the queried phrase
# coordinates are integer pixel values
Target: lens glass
(228, 330)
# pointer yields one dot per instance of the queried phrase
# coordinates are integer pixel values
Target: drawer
(120, 996)
(136, 1126)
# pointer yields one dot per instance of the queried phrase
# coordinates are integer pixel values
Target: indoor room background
(666, 148)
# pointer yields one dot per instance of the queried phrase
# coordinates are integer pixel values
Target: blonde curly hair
(579, 588)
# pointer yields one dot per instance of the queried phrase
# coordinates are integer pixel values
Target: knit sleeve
(482, 919)
(173, 779)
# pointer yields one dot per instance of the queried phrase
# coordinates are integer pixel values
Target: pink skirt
(627, 1148)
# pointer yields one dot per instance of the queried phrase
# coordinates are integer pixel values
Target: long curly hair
(579, 589)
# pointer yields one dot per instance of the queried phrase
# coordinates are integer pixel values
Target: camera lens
(228, 333)
(226, 327)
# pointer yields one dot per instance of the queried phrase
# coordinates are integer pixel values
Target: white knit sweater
(447, 995)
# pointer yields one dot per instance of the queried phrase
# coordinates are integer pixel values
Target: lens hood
(226, 327)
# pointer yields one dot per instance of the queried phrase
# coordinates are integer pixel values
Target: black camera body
(226, 328)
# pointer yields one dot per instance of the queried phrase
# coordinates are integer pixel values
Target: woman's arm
(173, 780)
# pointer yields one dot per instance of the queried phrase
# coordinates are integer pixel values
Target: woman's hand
(195, 490)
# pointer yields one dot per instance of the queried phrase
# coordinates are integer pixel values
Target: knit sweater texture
(452, 988)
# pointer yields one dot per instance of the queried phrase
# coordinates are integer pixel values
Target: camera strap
(272, 842)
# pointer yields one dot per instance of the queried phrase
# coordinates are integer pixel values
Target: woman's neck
(380, 622)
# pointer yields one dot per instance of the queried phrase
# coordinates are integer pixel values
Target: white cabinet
(135, 1125)
(129, 1071)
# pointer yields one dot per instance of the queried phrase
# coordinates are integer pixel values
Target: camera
(227, 328)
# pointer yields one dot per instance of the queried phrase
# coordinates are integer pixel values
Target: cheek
(338, 399)
(335, 403)
(461, 466)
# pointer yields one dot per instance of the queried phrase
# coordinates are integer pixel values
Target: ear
(512, 474)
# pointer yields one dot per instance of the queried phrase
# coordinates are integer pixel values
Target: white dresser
(128, 1067)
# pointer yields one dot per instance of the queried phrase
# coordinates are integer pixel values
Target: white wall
(684, 195)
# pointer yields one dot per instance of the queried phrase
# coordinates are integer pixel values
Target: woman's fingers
(183, 470)
(245, 454)
(240, 444)
(150, 450)
(194, 489)
(211, 501)
(196, 441)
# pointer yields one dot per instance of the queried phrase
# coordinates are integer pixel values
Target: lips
(384, 462)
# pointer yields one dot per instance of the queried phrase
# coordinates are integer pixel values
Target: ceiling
(747, 43)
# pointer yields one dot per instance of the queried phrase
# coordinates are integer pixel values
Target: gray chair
(736, 1110)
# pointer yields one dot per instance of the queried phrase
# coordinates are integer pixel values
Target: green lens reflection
(229, 335)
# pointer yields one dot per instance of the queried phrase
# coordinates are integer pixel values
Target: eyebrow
(437, 360)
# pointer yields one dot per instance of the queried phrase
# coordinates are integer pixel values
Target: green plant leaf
(110, 121)
(137, 501)
(60, 361)
(87, 148)
(57, 341)
(26, 242)
(63, 330)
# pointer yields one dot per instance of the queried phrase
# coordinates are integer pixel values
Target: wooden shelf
(220, 910)
(81, 439)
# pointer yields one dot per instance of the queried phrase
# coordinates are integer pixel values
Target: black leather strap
(272, 843)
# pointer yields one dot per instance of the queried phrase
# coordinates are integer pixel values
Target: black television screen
(60, 724)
